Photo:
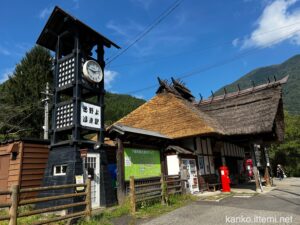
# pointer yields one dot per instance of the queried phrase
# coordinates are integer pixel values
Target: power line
(139, 37)
(36, 104)
(21, 121)
(221, 63)
(15, 115)
(202, 49)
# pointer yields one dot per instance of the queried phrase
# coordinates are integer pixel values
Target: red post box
(225, 180)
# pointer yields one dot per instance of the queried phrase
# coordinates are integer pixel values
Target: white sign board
(79, 180)
(90, 115)
(173, 165)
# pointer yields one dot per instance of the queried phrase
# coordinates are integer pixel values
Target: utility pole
(46, 111)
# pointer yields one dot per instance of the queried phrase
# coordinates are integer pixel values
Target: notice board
(141, 163)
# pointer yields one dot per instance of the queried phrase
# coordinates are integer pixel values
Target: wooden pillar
(120, 172)
(164, 190)
(88, 200)
(13, 212)
(132, 195)
(267, 177)
(255, 170)
(267, 171)
(163, 161)
(223, 154)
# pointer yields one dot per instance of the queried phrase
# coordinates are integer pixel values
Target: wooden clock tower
(78, 102)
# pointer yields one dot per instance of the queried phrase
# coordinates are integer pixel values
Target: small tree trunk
(13, 211)
(267, 177)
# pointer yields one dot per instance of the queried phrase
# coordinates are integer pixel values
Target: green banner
(141, 163)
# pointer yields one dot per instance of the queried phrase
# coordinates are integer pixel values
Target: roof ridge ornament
(225, 92)
(201, 98)
(239, 89)
(212, 96)
(253, 85)
(164, 86)
(252, 89)
(182, 90)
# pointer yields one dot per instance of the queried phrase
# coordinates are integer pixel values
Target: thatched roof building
(171, 116)
(252, 111)
(173, 112)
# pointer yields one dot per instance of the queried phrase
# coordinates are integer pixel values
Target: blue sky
(214, 41)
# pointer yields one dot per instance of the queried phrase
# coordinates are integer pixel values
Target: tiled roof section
(172, 116)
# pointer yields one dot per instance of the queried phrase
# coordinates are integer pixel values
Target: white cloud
(5, 74)
(144, 3)
(235, 42)
(4, 51)
(139, 96)
(109, 77)
(276, 24)
(127, 30)
(45, 12)
(164, 35)
(76, 4)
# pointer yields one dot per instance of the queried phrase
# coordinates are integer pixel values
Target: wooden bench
(213, 182)
(202, 184)
(209, 182)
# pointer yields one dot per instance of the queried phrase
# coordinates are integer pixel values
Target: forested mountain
(291, 93)
(21, 109)
(117, 106)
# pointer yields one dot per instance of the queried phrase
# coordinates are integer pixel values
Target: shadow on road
(284, 199)
(292, 193)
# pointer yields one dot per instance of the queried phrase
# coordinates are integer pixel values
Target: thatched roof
(172, 116)
(251, 111)
(173, 112)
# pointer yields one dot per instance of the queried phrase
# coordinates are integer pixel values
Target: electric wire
(202, 49)
(215, 65)
(22, 120)
(139, 37)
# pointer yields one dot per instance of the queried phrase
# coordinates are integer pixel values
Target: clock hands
(94, 70)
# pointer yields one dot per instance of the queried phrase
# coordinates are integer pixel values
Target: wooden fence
(16, 202)
(157, 189)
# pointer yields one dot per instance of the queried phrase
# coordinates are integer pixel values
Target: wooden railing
(15, 203)
(157, 189)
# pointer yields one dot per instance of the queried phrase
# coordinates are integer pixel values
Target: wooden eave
(59, 22)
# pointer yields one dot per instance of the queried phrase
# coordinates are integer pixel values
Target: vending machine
(189, 170)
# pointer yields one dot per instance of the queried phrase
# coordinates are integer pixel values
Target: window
(59, 170)
(201, 164)
(205, 158)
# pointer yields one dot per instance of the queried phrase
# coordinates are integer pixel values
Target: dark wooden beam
(120, 172)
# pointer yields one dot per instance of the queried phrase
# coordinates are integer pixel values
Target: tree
(20, 102)
(21, 113)
(288, 153)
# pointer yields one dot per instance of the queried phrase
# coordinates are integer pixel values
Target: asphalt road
(279, 206)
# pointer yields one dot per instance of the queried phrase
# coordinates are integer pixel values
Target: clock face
(92, 71)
